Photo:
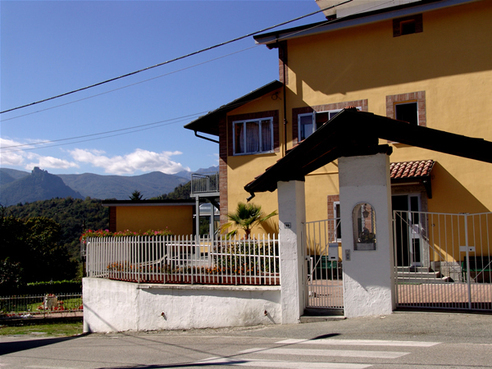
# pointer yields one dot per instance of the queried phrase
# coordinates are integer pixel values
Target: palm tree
(246, 217)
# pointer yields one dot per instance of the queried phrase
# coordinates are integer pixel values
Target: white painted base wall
(114, 306)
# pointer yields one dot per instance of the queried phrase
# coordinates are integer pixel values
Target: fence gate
(443, 261)
(325, 288)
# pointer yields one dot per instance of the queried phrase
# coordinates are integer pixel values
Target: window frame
(396, 104)
(362, 105)
(260, 122)
(337, 221)
(400, 25)
(314, 121)
(419, 97)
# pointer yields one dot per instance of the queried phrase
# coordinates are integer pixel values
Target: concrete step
(317, 319)
(422, 277)
(413, 269)
(312, 315)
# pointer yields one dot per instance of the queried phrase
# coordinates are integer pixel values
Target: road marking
(279, 364)
(328, 341)
(342, 353)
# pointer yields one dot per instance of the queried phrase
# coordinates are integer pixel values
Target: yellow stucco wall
(451, 60)
(177, 219)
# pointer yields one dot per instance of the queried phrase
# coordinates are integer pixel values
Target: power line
(132, 84)
(170, 61)
(133, 129)
(106, 134)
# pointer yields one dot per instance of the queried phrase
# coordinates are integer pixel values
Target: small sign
(467, 248)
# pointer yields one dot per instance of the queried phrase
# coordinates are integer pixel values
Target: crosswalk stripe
(280, 364)
(343, 353)
(341, 342)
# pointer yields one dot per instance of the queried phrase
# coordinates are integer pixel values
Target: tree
(246, 217)
(30, 251)
(136, 196)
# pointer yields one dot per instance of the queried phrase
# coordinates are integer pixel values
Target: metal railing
(188, 260)
(36, 306)
(204, 183)
(443, 260)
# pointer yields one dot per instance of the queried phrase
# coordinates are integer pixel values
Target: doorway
(409, 251)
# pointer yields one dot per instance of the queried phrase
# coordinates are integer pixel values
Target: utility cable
(133, 128)
(170, 60)
(132, 84)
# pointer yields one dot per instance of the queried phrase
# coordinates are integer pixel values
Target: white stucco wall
(111, 306)
(368, 282)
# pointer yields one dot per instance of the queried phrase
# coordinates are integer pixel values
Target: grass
(43, 329)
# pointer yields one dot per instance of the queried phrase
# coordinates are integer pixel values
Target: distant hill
(20, 187)
(208, 170)
(10, 175)
(121, 187)
(39, 185)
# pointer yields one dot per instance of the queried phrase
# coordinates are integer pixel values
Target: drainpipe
(285, 119)
(282, 48)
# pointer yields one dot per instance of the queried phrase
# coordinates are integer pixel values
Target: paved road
(403, 340)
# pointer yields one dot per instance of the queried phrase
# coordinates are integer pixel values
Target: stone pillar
(368, 283)
(292, 213)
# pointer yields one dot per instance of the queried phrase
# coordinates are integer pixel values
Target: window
(337, 221)
(308, 119)
(308, 123)
(409, 107)
(407, 112)
(407, 25)
(253, 136)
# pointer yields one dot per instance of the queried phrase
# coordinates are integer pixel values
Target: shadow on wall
(450, 196)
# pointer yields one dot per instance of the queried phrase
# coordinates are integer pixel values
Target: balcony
(205, 185)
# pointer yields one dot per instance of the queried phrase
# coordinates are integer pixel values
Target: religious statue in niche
(364, 226)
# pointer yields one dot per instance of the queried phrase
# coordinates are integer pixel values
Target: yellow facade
(177, 219)
(451, 61)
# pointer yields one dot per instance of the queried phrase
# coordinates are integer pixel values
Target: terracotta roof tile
(411, 169)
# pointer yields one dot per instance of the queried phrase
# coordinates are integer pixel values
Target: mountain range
(20, 187)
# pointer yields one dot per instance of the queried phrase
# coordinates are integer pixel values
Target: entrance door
(408, 240)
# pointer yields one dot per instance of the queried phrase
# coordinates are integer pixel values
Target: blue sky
(52, 47)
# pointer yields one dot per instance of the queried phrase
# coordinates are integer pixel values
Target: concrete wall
(111, 306)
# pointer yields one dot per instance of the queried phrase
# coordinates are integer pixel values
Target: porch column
(292, 212)
(368, 284)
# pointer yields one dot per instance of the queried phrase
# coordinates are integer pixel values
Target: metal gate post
(467, 262)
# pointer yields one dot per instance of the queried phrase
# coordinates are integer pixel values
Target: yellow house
(428, 63)
(173, 215)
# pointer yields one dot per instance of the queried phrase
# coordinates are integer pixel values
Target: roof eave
(209, 123)
(271, 39)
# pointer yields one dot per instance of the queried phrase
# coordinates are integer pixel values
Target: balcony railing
(160, 259)
(203, 184)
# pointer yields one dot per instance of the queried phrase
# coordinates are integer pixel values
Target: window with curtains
(253, 136)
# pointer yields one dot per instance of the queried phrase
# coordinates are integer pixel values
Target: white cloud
(10, 157)
(139, 160)
(16, 156)
(49, 162)
(216, 156)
